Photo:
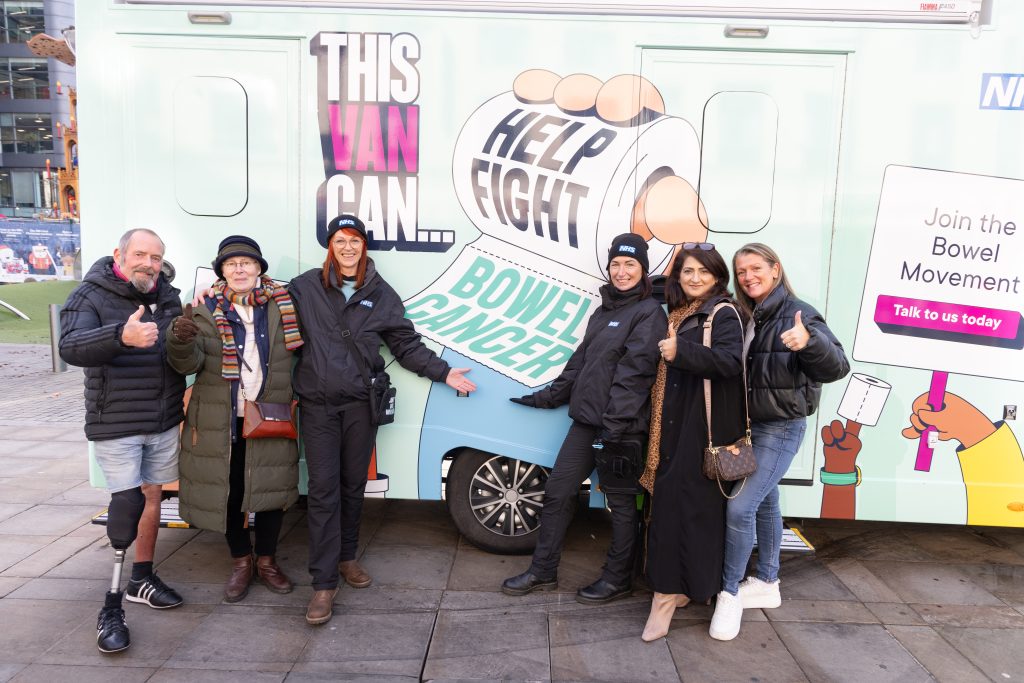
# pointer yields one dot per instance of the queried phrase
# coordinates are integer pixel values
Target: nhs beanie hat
(632, 245)
(345, 221)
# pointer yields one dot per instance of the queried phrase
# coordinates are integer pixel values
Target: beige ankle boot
(663, 606)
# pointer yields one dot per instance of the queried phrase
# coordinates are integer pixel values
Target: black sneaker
(112, 630)
(153, 592)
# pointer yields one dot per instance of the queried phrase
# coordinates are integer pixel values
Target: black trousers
(338, 443)
(573, 465)
(268, 522)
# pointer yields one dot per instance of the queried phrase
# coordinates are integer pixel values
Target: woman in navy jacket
(607, 384)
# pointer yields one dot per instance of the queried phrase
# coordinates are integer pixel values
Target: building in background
(34, 100)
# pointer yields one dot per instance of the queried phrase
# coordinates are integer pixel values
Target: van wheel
(496, 501)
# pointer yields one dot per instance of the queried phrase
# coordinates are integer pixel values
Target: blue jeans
(775, 445)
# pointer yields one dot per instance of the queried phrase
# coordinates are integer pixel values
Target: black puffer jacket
(326, 371)
(128, 391)
(607, 381)
(784, 384)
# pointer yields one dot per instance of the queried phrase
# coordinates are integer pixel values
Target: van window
(737, 165)
(211, 154)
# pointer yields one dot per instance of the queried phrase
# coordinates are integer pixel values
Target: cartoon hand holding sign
(990, 457)
(944, 293)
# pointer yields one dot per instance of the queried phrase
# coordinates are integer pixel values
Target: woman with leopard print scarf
(686, 513)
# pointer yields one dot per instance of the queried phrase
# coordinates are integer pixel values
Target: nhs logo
(1002, 91)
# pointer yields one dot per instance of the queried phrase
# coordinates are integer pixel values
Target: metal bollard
(58, 363)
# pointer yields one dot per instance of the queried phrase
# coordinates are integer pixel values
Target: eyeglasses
(703, 246)
(240, 264)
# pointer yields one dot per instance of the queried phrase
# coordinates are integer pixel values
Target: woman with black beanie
(607, 384)
(347, 311)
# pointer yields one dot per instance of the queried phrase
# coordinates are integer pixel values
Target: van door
(208, 129)
(769, 124)
(211, 129)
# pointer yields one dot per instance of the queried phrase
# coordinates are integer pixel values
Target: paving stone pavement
(878, 601)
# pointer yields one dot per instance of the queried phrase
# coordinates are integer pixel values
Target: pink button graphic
(956, 319)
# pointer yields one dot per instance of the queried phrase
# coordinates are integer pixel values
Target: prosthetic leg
(123, 517)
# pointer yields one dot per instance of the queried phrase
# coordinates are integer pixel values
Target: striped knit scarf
(658, 399)
(266, 290)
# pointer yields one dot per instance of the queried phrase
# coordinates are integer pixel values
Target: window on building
(23, 192)
(24, 79)
(6, 190)
(26, 133)
(21, 20)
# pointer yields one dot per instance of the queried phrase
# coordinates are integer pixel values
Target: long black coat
(128, 390)
(686, 533)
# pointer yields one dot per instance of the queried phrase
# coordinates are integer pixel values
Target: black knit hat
(632, 245)
(238, 245)
(345, 220)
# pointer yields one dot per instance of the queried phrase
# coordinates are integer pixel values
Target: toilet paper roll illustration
(560, 185)
(864, 399)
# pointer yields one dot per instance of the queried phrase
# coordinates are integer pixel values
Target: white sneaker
(758, 594)
(725, 625)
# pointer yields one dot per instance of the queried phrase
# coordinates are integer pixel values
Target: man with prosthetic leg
(113, 325)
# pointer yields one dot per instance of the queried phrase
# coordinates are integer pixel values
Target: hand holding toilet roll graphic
(861, 406)
(668, 209)
(548, 172)
(990, 457)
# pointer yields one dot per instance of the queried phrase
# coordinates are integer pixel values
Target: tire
(483, 489)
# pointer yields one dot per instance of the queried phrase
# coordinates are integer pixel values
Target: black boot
(527, 582)
(111, 628)
(601, 591)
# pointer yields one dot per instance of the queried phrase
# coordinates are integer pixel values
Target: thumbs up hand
(137, 333)
(183, 327)
(796, 337)
(667, 346)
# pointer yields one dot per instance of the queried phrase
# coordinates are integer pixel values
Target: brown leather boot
(321, 607)
(237, 586)
(271, 575)
(353, 574)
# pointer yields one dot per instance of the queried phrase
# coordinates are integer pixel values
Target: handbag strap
(707, 382)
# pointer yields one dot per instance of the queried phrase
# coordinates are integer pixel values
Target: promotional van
(495, 148)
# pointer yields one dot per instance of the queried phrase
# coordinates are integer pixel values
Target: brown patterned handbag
(736, 460)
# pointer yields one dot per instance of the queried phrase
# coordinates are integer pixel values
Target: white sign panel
(943, 290)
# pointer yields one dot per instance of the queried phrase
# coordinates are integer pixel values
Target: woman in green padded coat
(239, 344)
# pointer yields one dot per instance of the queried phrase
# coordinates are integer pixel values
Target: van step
(793, 541)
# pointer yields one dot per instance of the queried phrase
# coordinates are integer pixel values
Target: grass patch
(32, 299)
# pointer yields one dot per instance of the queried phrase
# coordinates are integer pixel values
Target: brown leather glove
(184, 328)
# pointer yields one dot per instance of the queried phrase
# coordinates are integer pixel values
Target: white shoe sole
(723, 635)
(143, 601)
(762, 602)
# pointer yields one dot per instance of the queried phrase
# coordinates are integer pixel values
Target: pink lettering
(403, 138)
